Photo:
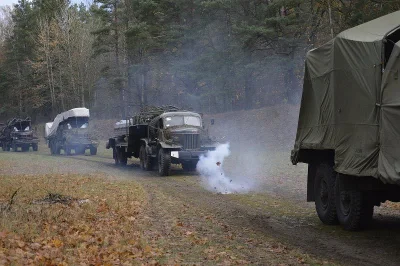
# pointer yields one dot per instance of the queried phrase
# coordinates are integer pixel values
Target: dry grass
(102, 229)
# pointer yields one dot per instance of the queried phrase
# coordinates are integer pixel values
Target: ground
(123, 215)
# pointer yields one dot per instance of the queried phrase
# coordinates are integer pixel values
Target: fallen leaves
(103, 231)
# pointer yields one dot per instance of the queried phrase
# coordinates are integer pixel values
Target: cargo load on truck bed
(351, 101)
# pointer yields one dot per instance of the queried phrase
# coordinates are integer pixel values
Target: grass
(101, 229)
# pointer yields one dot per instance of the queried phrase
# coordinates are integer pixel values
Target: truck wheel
(190, 166)
(25, 148)
(6, 147)
(122, 159)
(51, 146)
(93, 150)
(67, 150)
(354, 210)
(58, 149)
(145, 161)
(35, 147)
(324, 192)
(14, 147)
(164, 162)
(115, 156)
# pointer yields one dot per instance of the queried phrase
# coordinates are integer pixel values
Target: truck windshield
(171, 121)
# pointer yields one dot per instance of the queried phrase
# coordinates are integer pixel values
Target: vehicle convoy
(161, 135)
(349, 123)
(69, 132)
(18, 133)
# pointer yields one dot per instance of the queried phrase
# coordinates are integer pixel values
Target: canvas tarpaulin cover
(76, 112)
(349, 106)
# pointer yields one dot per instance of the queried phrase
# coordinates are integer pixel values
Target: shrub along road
(175, 220)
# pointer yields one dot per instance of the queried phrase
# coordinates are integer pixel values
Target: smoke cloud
(213, 176)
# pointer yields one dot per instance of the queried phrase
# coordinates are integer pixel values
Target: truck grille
(191, 141)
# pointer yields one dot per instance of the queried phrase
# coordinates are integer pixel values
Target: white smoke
(213, 176)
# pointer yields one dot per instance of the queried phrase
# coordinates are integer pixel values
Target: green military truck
(18, 133)
(349, 123)
(161, 136)
(69, 132)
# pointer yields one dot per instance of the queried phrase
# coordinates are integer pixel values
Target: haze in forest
(114, 57)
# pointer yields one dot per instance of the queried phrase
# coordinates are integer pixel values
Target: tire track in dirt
(378, 246)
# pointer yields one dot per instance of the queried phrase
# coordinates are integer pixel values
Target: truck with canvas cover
(349, 123)
(161, 136)
(69, 132)
(18, 133)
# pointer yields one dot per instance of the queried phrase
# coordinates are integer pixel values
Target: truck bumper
(86, 144)
(26, 141)
(186, 156)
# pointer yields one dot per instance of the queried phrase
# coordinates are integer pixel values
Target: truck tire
(93, 150)
(51, 146)
(324, 192)
(115, 156)
(67, 150)
(35, 147)
(25, 148)
(6, 147)
(121, 158)
(164, 162)
(354, 210)
(145, 161)
(57, 149)
(14, 147)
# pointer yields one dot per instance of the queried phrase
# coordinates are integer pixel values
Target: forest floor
(83, 209)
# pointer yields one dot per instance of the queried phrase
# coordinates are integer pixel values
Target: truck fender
(146, 143)
(110, 143)
(169, 146)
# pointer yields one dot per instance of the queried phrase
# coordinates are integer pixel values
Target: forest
(115, 56)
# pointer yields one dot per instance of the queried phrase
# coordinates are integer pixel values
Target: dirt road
(270, 226)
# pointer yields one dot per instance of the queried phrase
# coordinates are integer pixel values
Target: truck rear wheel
(324, 192)
(67, 150)
(164, 162)
(115, 156)
(25, 148)
(354, 210)
(14, 147)
(119, 156)
(35, 147)
(51, 146)
(145, 161)
(6, 147)
(57, 149)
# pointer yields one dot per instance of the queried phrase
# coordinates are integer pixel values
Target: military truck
(161, 136)
(18, 133)
(69, 132)
(349, 123)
